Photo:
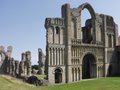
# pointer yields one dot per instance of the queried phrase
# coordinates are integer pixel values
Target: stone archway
(58, 75)
(89, 68)
(87, 33)
(88, 7)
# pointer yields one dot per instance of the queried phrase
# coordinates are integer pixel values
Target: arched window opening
(85, 15)
(86, 25)
(109, 40)
(57, 30)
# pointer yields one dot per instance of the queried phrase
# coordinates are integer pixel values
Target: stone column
(49, 56)
(97, 66)
(60, 57)
(52, 56)
(63, 57)
(112, 41)
(77, 75)
(21, 68)
(55, 56)
(81, 72)
(16, 68)
(59, 37)
(66, 14)
(78, 29)
(74, 74)
(28, 63)
(54, 34)
(29, 69)
(13, 67)
(10, 67)
(105, 65)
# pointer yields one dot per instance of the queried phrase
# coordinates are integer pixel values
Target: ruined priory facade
(74, 52)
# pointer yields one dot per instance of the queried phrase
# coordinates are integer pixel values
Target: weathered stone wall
(13, 67)
(41, 61)
(74, 44)
(25, 64)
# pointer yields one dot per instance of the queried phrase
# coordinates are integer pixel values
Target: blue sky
(22, 21)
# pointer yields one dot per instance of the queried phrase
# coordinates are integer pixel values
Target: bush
(34, 80)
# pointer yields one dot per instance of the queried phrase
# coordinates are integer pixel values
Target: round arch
(86, 53)
(89, 67)
(89, 8)
(58, 68)
(58, 75)
(87, 33)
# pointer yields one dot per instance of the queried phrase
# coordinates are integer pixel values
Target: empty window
(57, 30)
(109, 40)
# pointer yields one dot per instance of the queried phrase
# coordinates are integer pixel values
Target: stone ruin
(20, 69)
(41, 61)
(10, 66)
(75, 52)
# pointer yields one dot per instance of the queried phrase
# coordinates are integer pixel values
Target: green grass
(109, 83)
(40, 76)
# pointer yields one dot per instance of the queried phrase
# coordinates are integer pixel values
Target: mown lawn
(109, 83)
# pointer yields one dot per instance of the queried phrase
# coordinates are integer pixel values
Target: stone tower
(55, 48)
(74, 52)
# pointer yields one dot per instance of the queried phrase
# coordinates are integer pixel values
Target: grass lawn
(40, 76)
(109, 83)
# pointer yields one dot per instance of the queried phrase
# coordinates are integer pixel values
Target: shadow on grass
(118, 75)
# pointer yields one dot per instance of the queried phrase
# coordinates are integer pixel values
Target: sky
(22, 21)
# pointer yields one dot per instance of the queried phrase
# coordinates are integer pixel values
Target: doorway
(89, 69)
(58, 75)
